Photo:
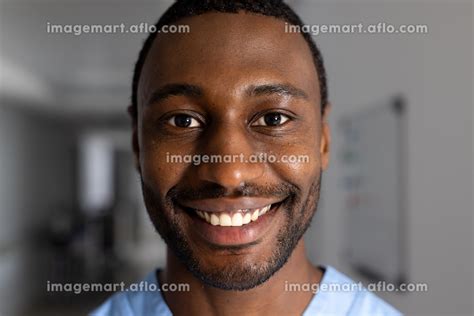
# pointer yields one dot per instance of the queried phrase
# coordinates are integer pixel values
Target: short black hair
(189, 8)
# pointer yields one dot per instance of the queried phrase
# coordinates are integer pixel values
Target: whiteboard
(373, 182)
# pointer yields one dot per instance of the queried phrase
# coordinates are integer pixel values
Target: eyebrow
(280, 89)
(175, 89)
(189, 90)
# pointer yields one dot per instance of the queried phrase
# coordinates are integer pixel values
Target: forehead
(224, 53)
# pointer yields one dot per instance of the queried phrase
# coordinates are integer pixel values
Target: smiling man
(237, 85)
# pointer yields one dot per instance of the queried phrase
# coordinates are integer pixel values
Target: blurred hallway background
(70, 202)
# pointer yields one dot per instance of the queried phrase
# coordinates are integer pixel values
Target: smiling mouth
(235, 218)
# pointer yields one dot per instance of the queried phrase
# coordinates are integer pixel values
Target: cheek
(299, 163)
(157, 167)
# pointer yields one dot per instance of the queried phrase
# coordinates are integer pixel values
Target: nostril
(230, 174)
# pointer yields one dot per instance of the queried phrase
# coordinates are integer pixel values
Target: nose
(230, 166)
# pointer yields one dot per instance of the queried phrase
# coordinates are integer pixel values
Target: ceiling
(74, 75)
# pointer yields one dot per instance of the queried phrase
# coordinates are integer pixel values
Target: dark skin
(223, 58)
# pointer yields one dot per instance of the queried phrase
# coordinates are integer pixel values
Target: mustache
(214, 191)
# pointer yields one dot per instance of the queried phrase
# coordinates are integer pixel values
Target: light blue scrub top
(324, 303)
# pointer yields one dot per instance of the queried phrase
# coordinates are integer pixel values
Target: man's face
(237, 85)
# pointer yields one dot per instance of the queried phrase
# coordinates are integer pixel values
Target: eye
(271, 119)
(184, 121)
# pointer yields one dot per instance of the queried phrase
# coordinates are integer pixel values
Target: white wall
(36, 179)
(434, 73)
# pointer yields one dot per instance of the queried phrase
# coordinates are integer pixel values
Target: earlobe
(135, 146)
(325, 138)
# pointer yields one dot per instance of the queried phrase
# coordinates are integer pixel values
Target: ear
(325, 138)
(135, 146)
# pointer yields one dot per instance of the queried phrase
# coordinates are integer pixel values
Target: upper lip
(229, 204)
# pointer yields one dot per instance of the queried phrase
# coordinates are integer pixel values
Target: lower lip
(234, 236)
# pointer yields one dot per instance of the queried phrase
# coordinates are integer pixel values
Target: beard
(237, 275)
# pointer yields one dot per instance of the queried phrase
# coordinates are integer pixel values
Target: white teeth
(264, 210)
(237, 218)
(214, 219)
(255, 215)
(225, 219)
(247, 218)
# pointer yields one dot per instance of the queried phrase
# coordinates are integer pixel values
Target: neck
(268, 298)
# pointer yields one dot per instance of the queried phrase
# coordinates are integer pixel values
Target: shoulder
(117, 304)
(142, 298)
(366, 303)
(339, 295)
